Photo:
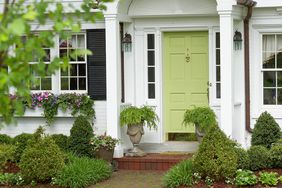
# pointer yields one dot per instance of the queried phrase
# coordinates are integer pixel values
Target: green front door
(185, 76)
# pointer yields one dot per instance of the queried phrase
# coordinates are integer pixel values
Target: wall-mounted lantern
(237, 39)
(127, 43)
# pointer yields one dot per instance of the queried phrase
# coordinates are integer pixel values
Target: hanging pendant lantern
(237, 39)
(127, 43)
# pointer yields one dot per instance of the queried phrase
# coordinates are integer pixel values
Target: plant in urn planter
(136, 118)
(202, 117)
(104, 146)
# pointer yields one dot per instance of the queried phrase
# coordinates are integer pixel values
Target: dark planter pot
(105, 154)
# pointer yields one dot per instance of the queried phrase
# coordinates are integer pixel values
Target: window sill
(38, 112)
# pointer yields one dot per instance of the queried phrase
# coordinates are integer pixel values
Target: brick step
(151, 161)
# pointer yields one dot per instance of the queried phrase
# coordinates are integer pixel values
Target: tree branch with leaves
(24, 18)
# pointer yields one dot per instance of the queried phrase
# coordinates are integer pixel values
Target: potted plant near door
(136, 118)
(104, 146)
(202, 117)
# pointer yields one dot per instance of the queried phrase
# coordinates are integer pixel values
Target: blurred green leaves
(22, 43)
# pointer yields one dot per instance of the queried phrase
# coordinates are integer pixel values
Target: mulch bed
(11, 168)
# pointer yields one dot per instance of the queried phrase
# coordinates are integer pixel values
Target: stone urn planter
(202, 117)
(200, 133)
(136, 118)
(135, 133)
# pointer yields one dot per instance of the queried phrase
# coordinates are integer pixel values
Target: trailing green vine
(78, 104)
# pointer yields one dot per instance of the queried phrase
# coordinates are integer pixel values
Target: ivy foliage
(23, 18)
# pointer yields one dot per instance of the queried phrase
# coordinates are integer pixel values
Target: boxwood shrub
(276, 156)
(5, 139)
(179, 175)
(20, 142)
(216, 157)
(62, 141)
(7, 153)
(243, 159)
(259, 157)
(82, 172)
(80, 136)
(41, 160)
(266, 131)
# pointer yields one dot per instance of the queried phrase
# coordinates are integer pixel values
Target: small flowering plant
(103, 141)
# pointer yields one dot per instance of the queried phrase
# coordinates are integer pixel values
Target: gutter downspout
(249, 4)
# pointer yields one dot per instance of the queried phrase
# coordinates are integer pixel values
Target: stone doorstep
(158, 162)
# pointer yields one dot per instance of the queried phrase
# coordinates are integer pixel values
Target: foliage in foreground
(266, 131)
(82, 172)
(41, 160)
(179, 175)
(15, 21)
(80, 137)
(216, 157)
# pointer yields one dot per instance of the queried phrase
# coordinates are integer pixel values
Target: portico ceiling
(143, 8)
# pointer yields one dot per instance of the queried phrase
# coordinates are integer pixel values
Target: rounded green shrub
(5, 139)
(82, 172)
(266, 131)
(21, 141)
(276, 156)
(62, 141)
(243, 159)
(80, 136)
(179, 175)
(259, 157)
(41, 160)
(216, 157)
(7, 153)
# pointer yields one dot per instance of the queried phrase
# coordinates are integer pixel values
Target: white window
(151, 66)
(75, 77)
(217, 64)
(272, 69)
(40, 83)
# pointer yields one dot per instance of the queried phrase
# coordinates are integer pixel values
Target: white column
(113, 79)
(227, 71)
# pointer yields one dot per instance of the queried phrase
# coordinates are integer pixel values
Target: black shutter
(96, 64)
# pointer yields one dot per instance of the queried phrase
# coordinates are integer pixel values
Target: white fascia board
(269, 3)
